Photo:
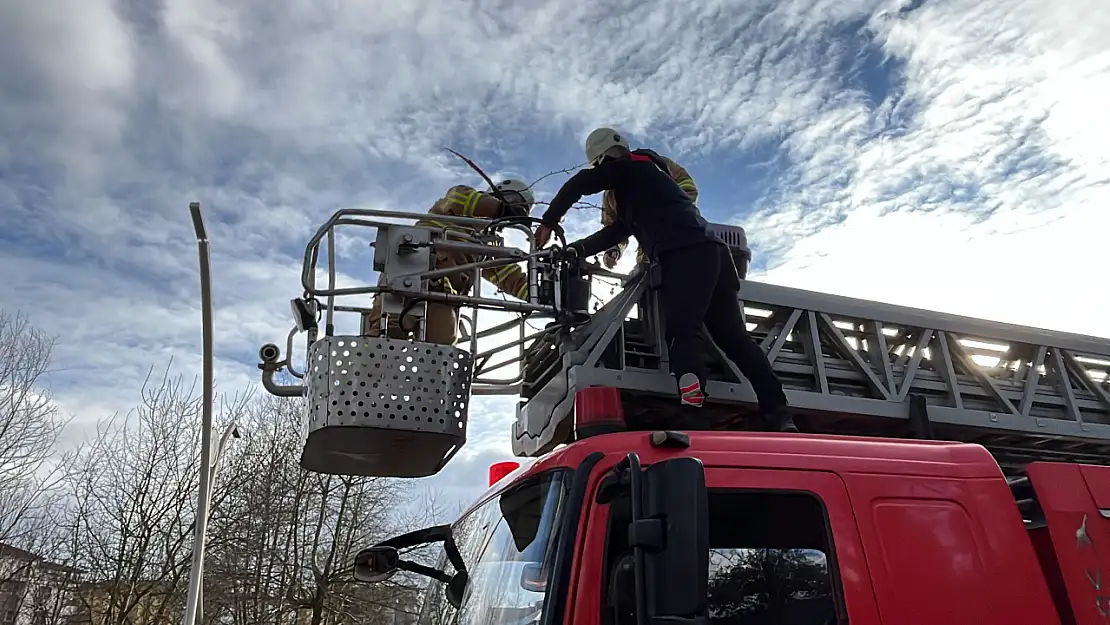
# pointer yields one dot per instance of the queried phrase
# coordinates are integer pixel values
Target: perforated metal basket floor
(384, 407)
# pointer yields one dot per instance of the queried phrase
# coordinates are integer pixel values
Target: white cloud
(948, 155)
(987, 200)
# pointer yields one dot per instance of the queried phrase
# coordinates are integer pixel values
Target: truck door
(1075, 501)
(783, 549)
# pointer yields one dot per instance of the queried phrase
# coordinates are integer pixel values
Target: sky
(952, 155)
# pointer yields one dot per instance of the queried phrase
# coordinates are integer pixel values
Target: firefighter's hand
(612, 255)
(543, 235)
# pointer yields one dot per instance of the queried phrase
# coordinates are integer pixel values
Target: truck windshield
(505, 543)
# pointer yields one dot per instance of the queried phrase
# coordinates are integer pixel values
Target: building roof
(11, 551)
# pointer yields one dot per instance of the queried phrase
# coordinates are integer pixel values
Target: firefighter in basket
(442, 320)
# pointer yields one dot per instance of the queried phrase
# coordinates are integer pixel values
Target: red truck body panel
(1075, 545)
(944, 550)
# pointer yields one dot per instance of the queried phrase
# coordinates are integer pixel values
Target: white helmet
(602, 140)
(511, 186)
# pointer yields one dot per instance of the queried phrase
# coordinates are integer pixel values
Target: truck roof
(786, 451)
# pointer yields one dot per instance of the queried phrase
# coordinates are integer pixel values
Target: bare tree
(30, 425)
(29, 429)
(132, 493)
(281, 539)
(287, 537)
(246, 571)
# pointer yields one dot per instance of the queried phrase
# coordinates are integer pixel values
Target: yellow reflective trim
(433, 222)
(458, 197)
(522, 292)
(447, 286)
(471, 203)
(501, 273)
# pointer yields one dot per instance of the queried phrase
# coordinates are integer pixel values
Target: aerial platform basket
(397, 406)
(384, 407)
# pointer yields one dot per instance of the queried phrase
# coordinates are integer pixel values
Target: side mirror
(380, 562)
(456, 589)
(376, 564)
(534, 577)
(670, 539)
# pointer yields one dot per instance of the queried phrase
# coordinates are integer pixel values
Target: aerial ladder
(399, 407)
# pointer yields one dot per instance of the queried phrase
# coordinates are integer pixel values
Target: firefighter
(700, 284)
(441, 320)
(609, 205)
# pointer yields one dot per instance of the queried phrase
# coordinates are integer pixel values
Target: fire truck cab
(953, 470)
(729, 527)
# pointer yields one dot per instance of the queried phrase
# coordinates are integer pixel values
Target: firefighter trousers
(441, 323)
(700, 285)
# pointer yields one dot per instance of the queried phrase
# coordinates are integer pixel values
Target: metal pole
(232, 430)
(192, 599)
(329, 326)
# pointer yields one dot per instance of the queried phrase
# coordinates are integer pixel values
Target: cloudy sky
(950, 154)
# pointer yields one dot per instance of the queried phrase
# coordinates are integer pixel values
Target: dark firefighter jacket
(609, 201)
(651, 206)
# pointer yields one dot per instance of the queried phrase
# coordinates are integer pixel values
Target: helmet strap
(515, 210)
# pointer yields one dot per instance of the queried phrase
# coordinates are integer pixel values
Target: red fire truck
(951, 470)
(741, 527)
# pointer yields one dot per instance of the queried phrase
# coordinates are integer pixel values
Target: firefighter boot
(780, 420)
(690, 416)
(689, 390)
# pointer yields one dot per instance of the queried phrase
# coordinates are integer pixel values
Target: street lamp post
(208, 463)
(203, 495)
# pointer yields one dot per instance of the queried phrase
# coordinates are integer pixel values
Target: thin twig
(560, 171)
(575, 206)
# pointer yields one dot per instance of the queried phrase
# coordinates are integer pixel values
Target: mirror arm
(435, 534)
(426, 571)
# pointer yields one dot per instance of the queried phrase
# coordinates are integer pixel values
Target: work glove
(573, 251)
(543, 235)
(612, 256)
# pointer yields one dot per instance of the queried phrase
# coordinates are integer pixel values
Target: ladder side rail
(791, 361)
(788, 297)
(1011, 374)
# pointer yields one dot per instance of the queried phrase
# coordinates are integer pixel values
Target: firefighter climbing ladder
(394, 406)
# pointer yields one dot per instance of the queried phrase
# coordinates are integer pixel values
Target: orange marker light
(499, 470)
